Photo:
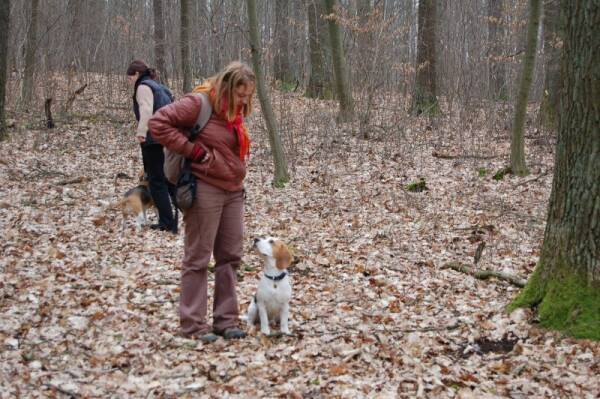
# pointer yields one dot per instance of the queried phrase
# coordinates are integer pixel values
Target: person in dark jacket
(215, 222)
(148, 97)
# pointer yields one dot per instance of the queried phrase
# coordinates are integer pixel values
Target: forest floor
(89, 311)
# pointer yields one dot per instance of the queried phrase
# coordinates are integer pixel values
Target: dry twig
(485, 274)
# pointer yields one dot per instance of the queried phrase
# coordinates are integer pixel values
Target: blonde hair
(224, 83)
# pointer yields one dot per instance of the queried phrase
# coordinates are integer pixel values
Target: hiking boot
(206, 338)
(232, 333)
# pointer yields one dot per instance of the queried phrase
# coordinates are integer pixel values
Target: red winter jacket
(170, 126)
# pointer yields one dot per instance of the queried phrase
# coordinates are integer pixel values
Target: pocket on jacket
(219, 167)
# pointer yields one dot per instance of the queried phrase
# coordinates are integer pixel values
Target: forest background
(380, 203)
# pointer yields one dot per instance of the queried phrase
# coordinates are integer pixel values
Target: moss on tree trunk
(565, 286)
(565, 299)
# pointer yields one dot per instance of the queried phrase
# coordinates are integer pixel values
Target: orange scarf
(237, 125)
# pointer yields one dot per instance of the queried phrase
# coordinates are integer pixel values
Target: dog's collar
(276, 278)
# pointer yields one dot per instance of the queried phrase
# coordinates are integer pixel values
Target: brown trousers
(214, 225)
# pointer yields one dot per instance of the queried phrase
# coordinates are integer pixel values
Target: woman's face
(132, 78)
(242, 94)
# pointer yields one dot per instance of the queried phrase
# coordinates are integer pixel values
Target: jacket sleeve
(145, 100)
(170, 124)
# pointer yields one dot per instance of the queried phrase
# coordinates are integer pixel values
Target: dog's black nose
(256, 240)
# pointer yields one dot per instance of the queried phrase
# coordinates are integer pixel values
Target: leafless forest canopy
(97, 39)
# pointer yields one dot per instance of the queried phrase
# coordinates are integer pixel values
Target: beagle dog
(136, 201)
(273, 294)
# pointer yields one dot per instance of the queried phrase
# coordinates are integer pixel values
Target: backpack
(178, 169)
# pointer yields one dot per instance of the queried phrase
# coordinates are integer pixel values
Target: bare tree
(186, 58)
(317, 82)
(346, 112)
(159, 39)
(74, 38)
(281, 176)
(425, 91)
(4, 29)
(365, 63)
(496, 39)
(552, 81)
(517, 144)
(27, 88)
(281, 70)
(565, 286)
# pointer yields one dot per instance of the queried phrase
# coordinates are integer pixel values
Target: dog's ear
(282, 255)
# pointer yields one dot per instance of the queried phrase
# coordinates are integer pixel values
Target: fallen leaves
(89, 309)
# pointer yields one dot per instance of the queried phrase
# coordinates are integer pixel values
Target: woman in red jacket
(214, 224)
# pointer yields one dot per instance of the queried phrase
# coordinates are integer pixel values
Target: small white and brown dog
(274, 291)
(135, 202)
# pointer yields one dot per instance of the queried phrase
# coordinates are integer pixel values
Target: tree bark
(366, 65)
(159, 40)
(496, 38)
(281, 176)
(75, 36)
(48, 112)
(346, 112)
(425, 92)
(281, 68)
(565, 285)
(186, 57)
(517, 144)
(317, 83)
(4, 29)
(27, 87)
(552, 81)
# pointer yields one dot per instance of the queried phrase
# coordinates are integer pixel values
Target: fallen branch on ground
(485, 274)
(450, 327)
(76, 180)
(465, 156)
(532, 179)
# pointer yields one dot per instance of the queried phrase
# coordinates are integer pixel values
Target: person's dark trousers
(154, 159)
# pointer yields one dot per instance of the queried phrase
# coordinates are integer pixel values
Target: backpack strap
(203, 116)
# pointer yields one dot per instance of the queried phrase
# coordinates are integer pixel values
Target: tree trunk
(317, 82)
(74, 38)
(281, 68)
(186, 59)
(565, 285)
(4, 29)
(281, 176)
(425, 92)
(159, 40)
(552, 81)
(496, 39)
(27, 88)
(346, 113)
(517, 144)
(365, 65)
(365, 35)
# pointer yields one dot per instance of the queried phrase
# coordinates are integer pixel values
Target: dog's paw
(265, 331)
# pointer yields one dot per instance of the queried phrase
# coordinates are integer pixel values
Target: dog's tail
(116, 205)
(119, 206)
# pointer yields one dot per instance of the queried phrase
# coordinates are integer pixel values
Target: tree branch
(485, 274)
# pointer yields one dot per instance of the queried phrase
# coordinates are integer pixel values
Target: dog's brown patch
(282, 255)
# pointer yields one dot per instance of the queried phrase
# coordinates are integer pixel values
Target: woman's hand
(140, 139)
(206, 157)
